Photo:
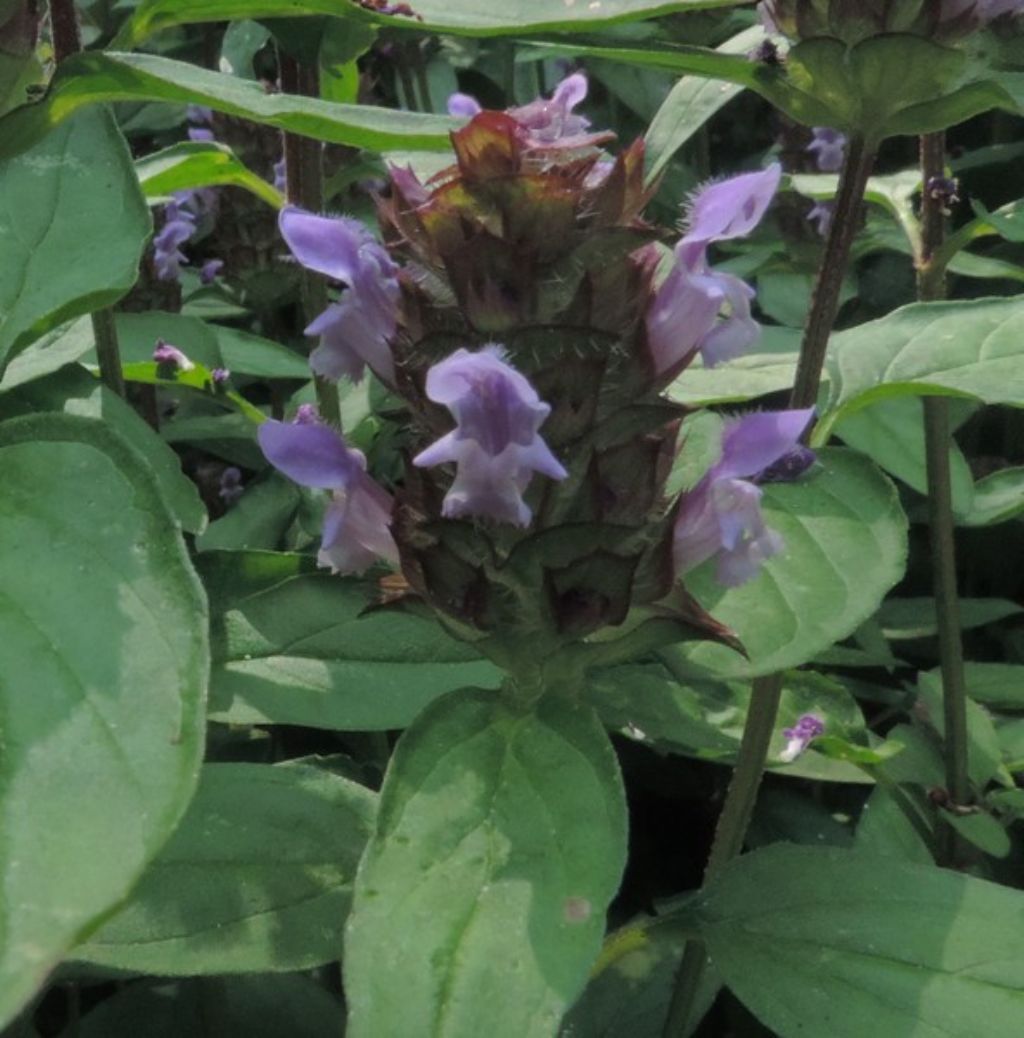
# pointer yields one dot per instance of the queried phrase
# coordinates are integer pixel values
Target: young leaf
(500, 840)
(104, 659)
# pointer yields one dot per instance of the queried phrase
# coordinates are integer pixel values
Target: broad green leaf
(257, 1006)
(690, 104)
(63, 345)
(467, 17)
(902, 618)
(883, 829)
(996, 684)
(192, 164)
(89, 78)
(982, 830)
(257, 520)
(629, 989)
(789, 816)
(845, 546)
(305, 648)
(500, 841)
(965, 348)
(816, 940)
(891, 433)
(768, 368)
(258, 876)
(76, 392)
(705, 719)
(63, 257)
(247, 354)
(104, 663)
(997, 498)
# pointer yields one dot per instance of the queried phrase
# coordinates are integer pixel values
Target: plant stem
(931, 286)
(304, 186)
(64, 28)
(741, 795)
(860, 158)
(67, 40)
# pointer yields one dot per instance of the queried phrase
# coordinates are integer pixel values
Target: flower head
(355, 332)
(828, 147)
(356, 530)
(209, 270)
(800, 736)
(179, 226)
(721, 517)
(495, 444)
(166, 354)
(683, 316)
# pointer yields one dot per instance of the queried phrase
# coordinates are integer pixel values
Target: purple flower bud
(356, 530)
(307, 414)
(200, 133)
(800, 736)
(683, 316)
(355, 332)
(279, 176)
(828, 147)
(166, 354)
(820, 214)
(220, 376)
(463, 106)
(721, 517)
(495, 444)
(199, 114)
(179, 226)
(231, 488)
(944, 190)
(209, 270)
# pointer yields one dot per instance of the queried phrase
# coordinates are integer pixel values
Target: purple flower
(494, 444)
(209, 270)
(166, 354)
(683, 316)
(179, 226)
(721, 517)
(800, 736)
(200, 133)
(828, 147)
(220, 376)
(544, 122)
(231, 488)
(356, 530)
(354, 332)
(279, 176)
(820, 214)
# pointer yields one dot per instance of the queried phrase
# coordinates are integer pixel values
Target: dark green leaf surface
(824, 941)
(304, 649)
(62, 258)
(86, 79)
(500, 840)
(257, 877)
(104, 663)
(468, 17)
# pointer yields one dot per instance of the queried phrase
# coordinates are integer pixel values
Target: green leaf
(192, 164)
(997, 498)
(982, 830)
(995, 684)
(258, 876)
(304, 649)
(915, 617)
(846, 543)
(89, 78)
(891, 433)
(500, 841)
(75, 392)
(690, 104)
(257, 520)
(883, 829)
(256, 1006)
(767, 369)
(964, 348)
(104, 658)
(63, 257)
(816, 940)
(630, 987)
(705, 719)
(63, 345)
(468, 17)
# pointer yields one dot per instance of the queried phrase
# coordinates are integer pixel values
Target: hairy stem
(304, 186)
(741, 796)
(931, 285)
